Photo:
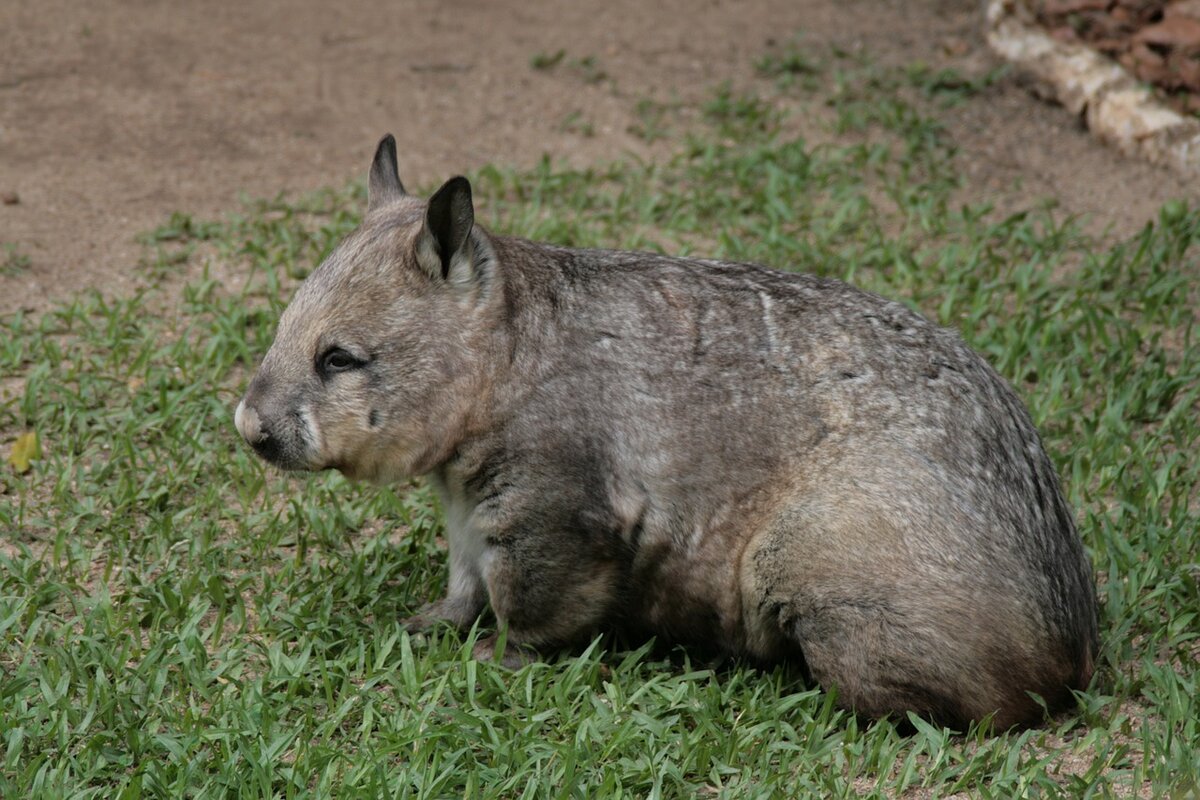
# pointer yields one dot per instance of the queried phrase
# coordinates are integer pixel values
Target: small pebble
(10, 198)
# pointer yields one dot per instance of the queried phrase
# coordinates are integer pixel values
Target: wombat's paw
(421, 621)
(441, 612)
(515, 656)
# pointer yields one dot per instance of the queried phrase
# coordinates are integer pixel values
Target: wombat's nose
(247, 422)
(250, 426)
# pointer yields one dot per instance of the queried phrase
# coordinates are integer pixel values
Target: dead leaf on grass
(1178, 31)
(24, 451)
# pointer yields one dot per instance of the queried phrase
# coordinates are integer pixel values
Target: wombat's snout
(250, 426)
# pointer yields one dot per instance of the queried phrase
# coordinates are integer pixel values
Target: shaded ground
(113, 115)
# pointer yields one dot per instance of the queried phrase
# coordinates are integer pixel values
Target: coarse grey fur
(774, 465)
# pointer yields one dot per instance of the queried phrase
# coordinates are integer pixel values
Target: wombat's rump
(776, 465)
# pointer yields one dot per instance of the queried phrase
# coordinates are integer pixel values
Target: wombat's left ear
(383, 182)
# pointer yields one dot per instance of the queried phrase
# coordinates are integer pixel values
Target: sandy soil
(115, 113)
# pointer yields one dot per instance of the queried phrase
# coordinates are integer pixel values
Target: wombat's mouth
(291, 467)
(289, 462)
(366, 473)
(345, 469)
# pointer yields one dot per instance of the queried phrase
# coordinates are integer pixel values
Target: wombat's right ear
(447, 246)
(383, 182)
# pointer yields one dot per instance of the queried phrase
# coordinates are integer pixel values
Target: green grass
(12, 260)
(586, 68)
(178, 620)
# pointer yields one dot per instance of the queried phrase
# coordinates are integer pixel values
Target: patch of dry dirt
(115, 113)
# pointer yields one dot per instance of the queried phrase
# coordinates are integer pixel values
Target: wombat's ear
(383, 182)
(444, 247)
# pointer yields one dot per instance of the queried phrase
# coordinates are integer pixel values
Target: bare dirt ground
(114, 114)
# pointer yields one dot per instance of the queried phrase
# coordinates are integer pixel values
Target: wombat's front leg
(547, 591)
(466, 595)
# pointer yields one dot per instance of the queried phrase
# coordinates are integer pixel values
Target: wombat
(772, 465)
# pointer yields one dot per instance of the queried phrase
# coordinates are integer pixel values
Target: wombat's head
(378, 358)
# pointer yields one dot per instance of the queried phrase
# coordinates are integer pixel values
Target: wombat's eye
(335, 359)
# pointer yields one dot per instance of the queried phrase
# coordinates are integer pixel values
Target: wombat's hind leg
(869, 659)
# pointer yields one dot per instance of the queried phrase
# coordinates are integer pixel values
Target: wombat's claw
(441, 612)
(515, 656)
(421, 621)
(718, 661)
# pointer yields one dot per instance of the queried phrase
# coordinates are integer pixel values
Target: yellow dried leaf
(24, 450)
